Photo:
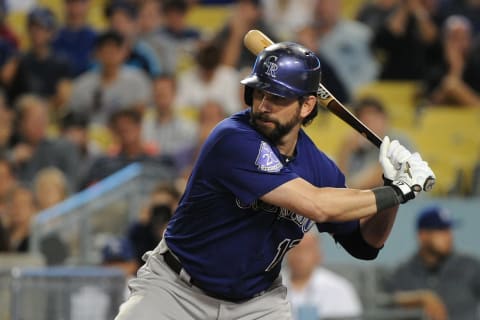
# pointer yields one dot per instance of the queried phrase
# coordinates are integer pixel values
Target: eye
(257, 94)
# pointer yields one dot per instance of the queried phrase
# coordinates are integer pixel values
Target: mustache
(263, 117)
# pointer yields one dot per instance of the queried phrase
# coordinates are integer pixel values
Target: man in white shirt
(315, 292)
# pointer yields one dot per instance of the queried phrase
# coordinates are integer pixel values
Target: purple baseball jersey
(227, 239)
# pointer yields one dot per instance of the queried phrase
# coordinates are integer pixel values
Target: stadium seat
(449, 140)
(209, 19)
(327, 132)
(398, 97)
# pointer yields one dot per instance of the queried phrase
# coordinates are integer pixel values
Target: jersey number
(282, 248)
(269, 157)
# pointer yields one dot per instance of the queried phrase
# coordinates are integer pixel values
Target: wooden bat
(256, 41)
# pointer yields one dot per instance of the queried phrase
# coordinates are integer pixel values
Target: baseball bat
(256, 41)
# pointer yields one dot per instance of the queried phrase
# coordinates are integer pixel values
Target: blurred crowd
(78, 101)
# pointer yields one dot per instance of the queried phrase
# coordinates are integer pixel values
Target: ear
(308, 105)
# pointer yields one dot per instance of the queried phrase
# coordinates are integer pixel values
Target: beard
(279, 130)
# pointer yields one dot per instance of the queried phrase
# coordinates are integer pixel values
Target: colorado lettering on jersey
(266, 160)
(258, 205)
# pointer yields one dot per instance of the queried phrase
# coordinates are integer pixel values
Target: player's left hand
(392, 155)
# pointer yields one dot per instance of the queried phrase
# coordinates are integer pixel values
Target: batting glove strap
(386, 181)
(403, 191)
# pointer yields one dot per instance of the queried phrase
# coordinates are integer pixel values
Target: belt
(175, 265)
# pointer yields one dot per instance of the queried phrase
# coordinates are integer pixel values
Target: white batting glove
(392, 155)
(413, 176)
(423, 175)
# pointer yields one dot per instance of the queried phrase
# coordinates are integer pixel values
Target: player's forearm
(338, 205)
(329, 204)
(376, 228)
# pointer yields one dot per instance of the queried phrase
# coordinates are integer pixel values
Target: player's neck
(287, 144)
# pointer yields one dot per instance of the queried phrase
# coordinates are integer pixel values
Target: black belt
(173, 262)
(176, 267)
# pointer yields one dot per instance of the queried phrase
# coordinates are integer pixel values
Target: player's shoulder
(236, 124)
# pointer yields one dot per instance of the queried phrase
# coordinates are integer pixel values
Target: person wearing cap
(40, 70)
(122, 16)
(437, 278)
(76, 38)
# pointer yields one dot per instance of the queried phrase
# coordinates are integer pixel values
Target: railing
(74, 231)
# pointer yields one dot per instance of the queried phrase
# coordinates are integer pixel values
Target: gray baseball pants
(159, 293)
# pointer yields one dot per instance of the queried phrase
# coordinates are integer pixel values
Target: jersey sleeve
(247, 166)
(338, 227)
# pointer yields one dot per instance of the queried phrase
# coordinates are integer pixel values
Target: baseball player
(258, 185)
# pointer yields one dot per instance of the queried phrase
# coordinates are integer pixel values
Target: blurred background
(104, 105)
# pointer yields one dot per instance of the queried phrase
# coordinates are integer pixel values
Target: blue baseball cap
(42, 16)
(435, 218)
(117, 250)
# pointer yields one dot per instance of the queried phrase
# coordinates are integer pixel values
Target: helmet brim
(270, 86)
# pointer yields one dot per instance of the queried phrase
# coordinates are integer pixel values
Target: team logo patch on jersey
(271, 66)
(267, 160)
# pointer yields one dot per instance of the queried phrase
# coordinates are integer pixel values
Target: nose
(265, 105)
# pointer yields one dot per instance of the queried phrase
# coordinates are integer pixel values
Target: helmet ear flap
(248, 95)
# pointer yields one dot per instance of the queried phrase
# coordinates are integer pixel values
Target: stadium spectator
(345, 44)
(286, 17)
(8, 63)
(100, 92)
(76, 38)
(6, 33)
(122, 17)
(6, 125)
(374, 13)
(467, 8)
(74, 128)
(405, 39)
(118, 253)
(3, 238)
(126, 129)
(176, 40)
(211, 113)
(357, 157)
(330, 78)
(9, 45)
(146, 233)
(20, 210)
(34, 150)
(149, 19)
(315, 290)
(173, 135)
(456, 79)
(209, 80)
(50, 187)
(39, 70)
(246, 15)
(437, 277)
(7, 183)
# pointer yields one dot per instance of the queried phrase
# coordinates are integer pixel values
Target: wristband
(403, 190)
(386, 197)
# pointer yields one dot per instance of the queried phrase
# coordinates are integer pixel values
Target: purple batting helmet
(284, 69)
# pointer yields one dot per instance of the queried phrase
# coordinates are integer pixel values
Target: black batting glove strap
(386, 181)
(403, 191)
